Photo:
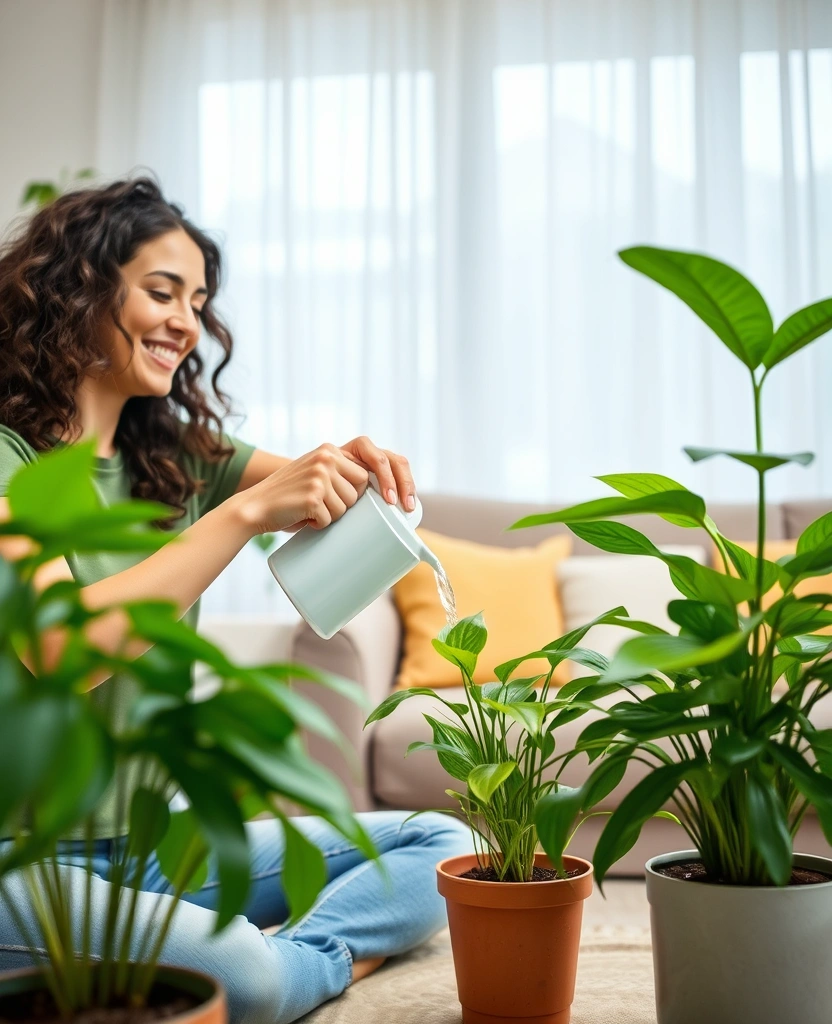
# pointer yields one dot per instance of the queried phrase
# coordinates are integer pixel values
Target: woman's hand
(314, 489)
(392, 470)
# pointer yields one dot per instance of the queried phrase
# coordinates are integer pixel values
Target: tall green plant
(233, 753)
(741, 761)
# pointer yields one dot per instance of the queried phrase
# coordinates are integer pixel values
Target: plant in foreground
(721, 711)
(234, 753)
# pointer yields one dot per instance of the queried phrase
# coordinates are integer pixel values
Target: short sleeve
(14, 454)
(221, 478)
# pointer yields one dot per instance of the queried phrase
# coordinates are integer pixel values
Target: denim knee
(447, 832)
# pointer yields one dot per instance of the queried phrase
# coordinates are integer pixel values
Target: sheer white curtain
(420, 203)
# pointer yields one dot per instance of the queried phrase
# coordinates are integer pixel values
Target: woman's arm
(317, 488)
(392, 470)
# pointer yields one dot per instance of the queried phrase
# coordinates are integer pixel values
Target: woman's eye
(163, 296)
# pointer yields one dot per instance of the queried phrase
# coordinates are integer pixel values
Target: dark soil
(38, 1007)
(694, 871)
(538, 874)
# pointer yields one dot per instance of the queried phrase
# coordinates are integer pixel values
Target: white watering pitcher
(331, 575)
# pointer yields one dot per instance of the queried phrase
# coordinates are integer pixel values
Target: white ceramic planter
(741, 954)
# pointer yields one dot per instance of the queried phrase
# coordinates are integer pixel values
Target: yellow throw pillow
(772, 550)
(514, 588)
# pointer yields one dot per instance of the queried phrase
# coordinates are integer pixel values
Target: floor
(614, 984)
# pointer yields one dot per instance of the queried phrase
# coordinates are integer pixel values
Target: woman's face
(165, 295)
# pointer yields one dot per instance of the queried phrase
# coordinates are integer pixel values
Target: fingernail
(391, 496)
(410, 502)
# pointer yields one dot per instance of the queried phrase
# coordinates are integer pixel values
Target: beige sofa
(368, 650)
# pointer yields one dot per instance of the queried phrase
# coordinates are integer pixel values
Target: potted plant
(725, 720)
(515, 919)
(233, 752)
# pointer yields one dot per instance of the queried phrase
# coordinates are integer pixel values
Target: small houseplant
(233, 753)
(726, 718)
(515, 944)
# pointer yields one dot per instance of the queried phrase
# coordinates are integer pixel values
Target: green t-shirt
(113, 485)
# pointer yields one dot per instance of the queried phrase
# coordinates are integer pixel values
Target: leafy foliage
(503, 748)
(726, 723)
(233, 753)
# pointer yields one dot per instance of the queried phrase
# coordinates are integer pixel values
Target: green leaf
(389, 704)
(768, 827)
(701, 583)
(464, 660)
(264, 541)
(516, 690)
(799, 330)
(30, 733)
(814, 785)
(645, 654)
(66, 476)
(182, 846)
(817, 562)
(554, 818)
(746, 565)
(468, 634)
(615, 537)
(688, 507)
(640, 804)
(705, 621)
(304, 871)
(757, 460)
(464, 754)
(149, 821)
(605, 778)
(529, 715)
(734, 748)
(486, 779)
(634, 485)
(719, 295)
(817, 535)
(157, 621)
(222, 825)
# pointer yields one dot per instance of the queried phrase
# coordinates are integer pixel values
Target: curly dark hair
(60, 283)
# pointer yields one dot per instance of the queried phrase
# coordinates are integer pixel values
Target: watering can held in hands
(331, 575)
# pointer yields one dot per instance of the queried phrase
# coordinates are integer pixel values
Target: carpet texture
(615, 974)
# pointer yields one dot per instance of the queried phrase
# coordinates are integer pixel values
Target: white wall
(49, 62)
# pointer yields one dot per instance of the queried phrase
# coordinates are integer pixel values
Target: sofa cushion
(515, 590)
(642, 584)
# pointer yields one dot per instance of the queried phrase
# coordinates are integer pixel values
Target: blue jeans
(272, 979)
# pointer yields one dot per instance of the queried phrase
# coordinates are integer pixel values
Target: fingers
(338, 483)
(393, 471)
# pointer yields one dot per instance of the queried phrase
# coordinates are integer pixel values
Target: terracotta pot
(740, 954)
(212, 1009)
(515, 944)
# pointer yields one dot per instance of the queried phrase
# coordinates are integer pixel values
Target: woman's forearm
(184, 568)
(179, 572)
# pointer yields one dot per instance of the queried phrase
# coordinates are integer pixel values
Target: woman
(103, 297)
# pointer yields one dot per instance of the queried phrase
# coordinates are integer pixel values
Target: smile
(165, 355)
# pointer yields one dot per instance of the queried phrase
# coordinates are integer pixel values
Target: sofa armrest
(366, 650)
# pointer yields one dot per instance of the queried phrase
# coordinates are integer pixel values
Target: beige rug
(614, 986)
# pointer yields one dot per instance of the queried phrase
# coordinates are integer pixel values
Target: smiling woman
(103, 297)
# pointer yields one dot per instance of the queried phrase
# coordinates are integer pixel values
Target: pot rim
(669, 858)
(217, 996)
(442, 868)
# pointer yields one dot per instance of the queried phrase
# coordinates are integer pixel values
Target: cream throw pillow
(593, 584)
